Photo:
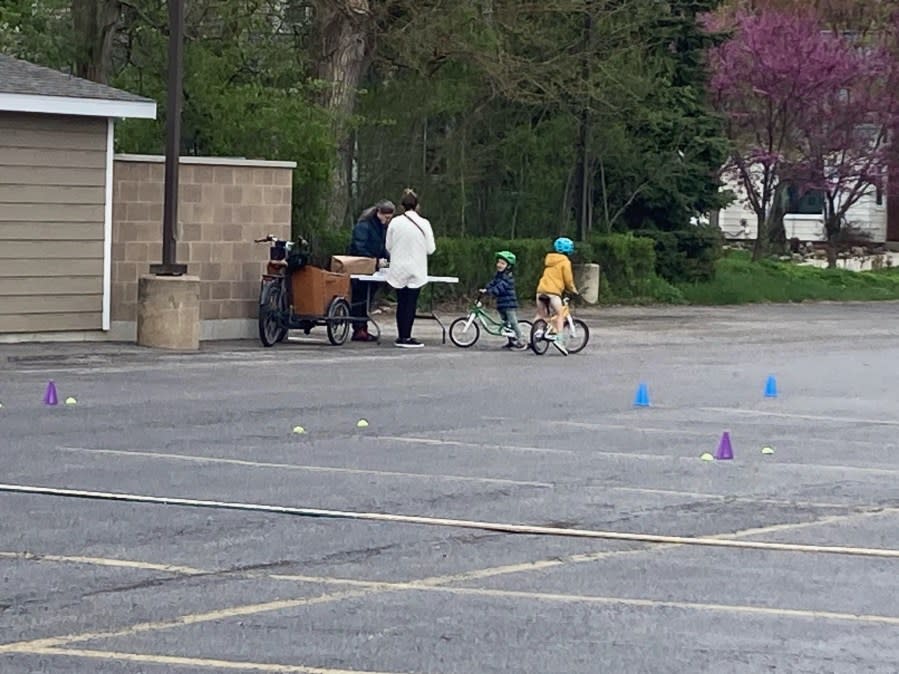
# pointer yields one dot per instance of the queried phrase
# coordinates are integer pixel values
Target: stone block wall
(224, 204)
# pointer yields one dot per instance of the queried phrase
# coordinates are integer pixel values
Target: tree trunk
(769, 223)
(832, 230)
(94, 23)
(345, 29)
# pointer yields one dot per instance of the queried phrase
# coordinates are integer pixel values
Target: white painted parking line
(809, 417)
(472, 445)
(299, 467)
(500, 527)
(628, 427)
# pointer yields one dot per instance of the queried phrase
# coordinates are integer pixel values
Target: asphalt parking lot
(783, 562)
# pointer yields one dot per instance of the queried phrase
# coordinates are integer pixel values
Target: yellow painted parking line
(205, 663)
(299, 467)
(808, 614)
(366, 588)
(180, 621)
(105, 561)
(739, 499)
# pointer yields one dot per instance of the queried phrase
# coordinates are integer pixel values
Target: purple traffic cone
(50, 395)
(725, 451)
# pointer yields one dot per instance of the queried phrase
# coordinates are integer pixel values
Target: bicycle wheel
(576, 339)
(464, 331)
(338, 326)
(538, 344)
(525, 327)
(272, 313)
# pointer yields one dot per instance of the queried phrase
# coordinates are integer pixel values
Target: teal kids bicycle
(465, 331)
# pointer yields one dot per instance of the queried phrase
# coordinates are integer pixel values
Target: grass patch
(738, 280)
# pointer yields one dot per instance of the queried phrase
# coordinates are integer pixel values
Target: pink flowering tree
(805, 108)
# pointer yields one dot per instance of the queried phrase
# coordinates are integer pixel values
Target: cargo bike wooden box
(295, 295)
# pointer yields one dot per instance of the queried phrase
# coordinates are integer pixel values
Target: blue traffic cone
(642, 397)
(771, 387)
(725, 451)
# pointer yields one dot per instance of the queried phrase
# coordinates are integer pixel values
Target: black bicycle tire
(539, 345)
(461, 321)
(338, 326)
(586, 332)
(267, 315)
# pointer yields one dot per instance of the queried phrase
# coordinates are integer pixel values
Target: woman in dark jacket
(369, 235)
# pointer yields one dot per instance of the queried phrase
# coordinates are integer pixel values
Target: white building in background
(805, 217)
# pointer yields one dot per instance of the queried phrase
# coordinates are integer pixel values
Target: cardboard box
(313, 289)
(351, 264)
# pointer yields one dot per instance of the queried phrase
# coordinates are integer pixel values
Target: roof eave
(68, 105)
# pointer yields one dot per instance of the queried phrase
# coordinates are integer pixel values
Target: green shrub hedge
(687, 255)
(627, 263)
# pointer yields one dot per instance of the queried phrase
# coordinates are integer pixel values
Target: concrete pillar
(168, 312)
(586, 278)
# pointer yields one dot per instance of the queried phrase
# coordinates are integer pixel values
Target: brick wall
(223, 205)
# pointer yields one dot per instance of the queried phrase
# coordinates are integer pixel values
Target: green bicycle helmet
(508, 256)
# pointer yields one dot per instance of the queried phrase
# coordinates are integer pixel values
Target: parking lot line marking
(502, 527)
(809, 614)
(299, 467)
(628, 427)
(473, 445)
(731, 497)
(372, 587)
(173, 660)
(476, 574)
(810, 417)
(180, 621)
(105, 561)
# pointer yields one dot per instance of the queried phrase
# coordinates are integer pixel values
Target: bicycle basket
(297, 260)
(278, 251)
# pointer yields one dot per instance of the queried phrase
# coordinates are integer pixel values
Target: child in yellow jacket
(557, 278)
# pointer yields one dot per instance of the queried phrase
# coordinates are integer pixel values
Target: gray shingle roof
(22, 77)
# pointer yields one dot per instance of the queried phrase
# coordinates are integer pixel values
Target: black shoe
(408, 343)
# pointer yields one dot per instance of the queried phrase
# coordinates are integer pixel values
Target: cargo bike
(295, 295)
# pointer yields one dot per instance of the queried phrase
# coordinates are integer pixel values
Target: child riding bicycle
(502, 287)
(557, 278)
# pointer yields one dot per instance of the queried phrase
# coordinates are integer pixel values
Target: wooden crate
(313, 289)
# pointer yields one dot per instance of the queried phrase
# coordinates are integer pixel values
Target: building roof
(26, 87)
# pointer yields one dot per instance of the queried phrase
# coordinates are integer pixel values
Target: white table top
(379, 276)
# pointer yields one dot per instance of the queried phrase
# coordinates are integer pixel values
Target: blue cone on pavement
(771, 387)
(642, 397)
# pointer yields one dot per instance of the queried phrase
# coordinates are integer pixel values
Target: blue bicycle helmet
(563, 245)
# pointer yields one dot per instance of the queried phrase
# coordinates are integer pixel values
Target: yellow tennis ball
(71, 401)
(362, 423)
(767, 450)
(299, 429)
(707, 457)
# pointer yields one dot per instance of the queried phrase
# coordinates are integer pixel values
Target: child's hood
(555, 259)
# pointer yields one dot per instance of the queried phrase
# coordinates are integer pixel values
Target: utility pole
(172, 143)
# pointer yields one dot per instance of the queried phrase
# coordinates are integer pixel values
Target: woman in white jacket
(410, 240)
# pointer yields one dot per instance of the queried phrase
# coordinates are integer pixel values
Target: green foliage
(740, 281)
(686, 255)
(627, 264)
(38, 31)
(245, 95)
